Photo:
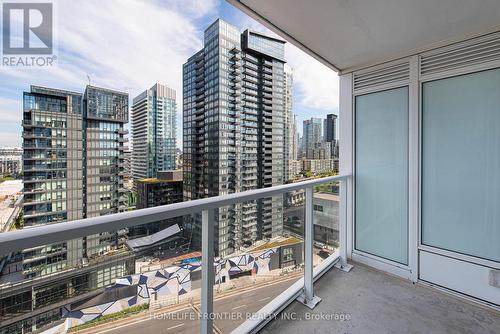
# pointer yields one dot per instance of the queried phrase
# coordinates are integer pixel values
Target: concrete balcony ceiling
(347, 35)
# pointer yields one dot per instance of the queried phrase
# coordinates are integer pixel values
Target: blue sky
(129, 45)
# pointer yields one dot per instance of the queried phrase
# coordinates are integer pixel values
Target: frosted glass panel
(461, 164)
(381, 182)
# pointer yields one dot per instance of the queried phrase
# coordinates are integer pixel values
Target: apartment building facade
(154, 132)
(73, 157)
(233, 113)
(106, 113)
(11, 161)
(289, 127)
(312, 135)
(53, 167)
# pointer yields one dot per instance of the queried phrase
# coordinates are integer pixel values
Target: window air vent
(382, 76)
(458, 56)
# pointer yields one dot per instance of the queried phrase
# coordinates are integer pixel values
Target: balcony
(368, 297)
(436, 245)
(367, 264)
(371, 301)
(98, 229)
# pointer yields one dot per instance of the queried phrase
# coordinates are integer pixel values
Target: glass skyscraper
(154, 132)
(74, 165)
(312, 136)
(53, 162)
(233, 111)
(289, 144)
(73, 152)
(105, 114)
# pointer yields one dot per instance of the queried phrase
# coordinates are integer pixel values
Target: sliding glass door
(461, 164)
(460, 204)
(381, 174)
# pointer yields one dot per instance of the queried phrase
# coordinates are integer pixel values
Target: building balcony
(200, 84)
(235, 84)
(268, 63)
(439, 248)
(250, 98)
(267, 70)
(236, 56)
(363, 297)
(96, 230)
(235, 72)
(404, 240)
(268, 77)
(267, 83)
(251, 66)
(250, 72)
(200, 63)
(235, 79)
(268, 89)
(380, 303)
(250, 79)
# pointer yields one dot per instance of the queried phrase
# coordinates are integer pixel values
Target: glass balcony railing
(218, 264)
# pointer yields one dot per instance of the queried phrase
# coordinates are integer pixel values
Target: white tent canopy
(153, 238)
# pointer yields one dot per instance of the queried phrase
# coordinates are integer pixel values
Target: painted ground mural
(170, 281)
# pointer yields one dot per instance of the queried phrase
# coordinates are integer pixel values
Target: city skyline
(173, 39)
(235, 113)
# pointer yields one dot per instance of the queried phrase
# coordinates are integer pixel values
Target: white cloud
(129, 45)
(317, 85)
(125, 45)
(11, 110)
(192, 8)
(11, 139)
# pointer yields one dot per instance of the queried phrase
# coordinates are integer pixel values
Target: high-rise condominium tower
(74, 165)
(105, 114)
(329, 128)
(312, 135)
(73, 158)
(330, 132)
(233, 131)
(53, 166)
(289, 123)
(153, 132)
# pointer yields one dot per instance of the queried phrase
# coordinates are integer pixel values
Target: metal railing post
(207, 271)
(342, 264)
(307, 297)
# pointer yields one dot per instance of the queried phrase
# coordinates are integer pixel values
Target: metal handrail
(42, 235)
(46, 234)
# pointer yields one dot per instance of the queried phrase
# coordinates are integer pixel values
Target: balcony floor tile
(380, 303)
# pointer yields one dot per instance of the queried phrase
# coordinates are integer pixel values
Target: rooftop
(11, 187)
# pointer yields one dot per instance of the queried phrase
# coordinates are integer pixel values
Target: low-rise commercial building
(162, 190)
